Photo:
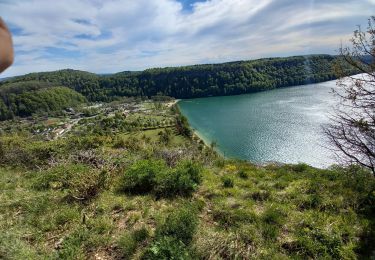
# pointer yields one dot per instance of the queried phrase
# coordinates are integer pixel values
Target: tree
(352, 127)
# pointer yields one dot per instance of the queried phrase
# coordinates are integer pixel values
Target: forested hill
(30, 97)
(194, 81)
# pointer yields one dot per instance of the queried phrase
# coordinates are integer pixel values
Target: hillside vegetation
(142, 188)
(193, 81)
(27, 98)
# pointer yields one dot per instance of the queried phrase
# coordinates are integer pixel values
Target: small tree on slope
(352, 128)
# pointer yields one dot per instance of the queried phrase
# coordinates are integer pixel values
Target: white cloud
(115, 35)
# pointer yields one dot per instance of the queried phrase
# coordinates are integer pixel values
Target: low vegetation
(140, 193)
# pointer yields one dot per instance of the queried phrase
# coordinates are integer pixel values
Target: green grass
(61, 200)
(153, 135)
(273, 213)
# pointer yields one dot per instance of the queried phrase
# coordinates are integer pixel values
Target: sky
(107, 36)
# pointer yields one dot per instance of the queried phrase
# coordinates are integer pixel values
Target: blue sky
(116, 35)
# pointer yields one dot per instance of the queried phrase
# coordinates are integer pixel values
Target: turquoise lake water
(282, 125)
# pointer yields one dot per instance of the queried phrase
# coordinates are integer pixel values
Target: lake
(282, 125)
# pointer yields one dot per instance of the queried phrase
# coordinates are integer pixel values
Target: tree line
(231, 78)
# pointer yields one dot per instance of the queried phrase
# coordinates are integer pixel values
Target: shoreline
(172, 103)
(197, 136)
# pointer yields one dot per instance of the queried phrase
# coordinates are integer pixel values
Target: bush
(129, 241)
(182, 181)
(72, 245)
(64, 215)
(243, 174)
(313, 201)
(261, 195)
(86, 185)
(132, 144)
(140, 177)
(317, 244)
(154, 176)
(18, 151)
(87, 142)
(232, 218)
(269, 231)
(119, 143)
(174, 235)
(141, 234)
(81, 182)
(167, 248)
(183, 127)
(180, 224)
(301, 167)
(165, 136)
(127, 245)
(274, 216)
(227, 182)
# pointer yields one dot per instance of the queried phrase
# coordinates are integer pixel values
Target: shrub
(140, 177)
(54, 178)
(174, 235)
(140, 234)
(154, 176)
(227, 182)
(213, 244)
(43, 152)
(86, 185)
(58, 177)
(261, 195)
(269, 231)
(99, 225)
(165, 136)
(18, 151)
(274, 216)
(301, 167)
(87, 142)
(183, 127)
(316, 243)
(129, 241)
(180, 224)
(273, 219)
(119, 143)
(220, 162)
(243, 174)
(127, 245)
(14, 247)
(167, 248)
(193, 170)
(313, 201)
(232, 218)
(182, 181)
(80, 181)
(249, 235)
(72, 245)
(65, 215)
(132, 144)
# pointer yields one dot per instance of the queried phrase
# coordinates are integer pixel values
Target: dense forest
(193, 81)
(26, 98)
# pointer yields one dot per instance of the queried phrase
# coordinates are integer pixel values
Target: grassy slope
(243, 210)
(275, 212)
